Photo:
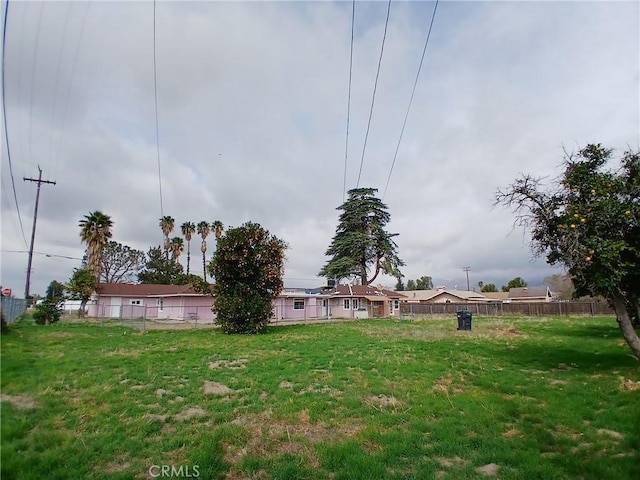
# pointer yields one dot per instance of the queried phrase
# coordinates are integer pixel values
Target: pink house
(180, 302)
(172, 302)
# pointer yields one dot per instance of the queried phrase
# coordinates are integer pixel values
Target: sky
(252, 104)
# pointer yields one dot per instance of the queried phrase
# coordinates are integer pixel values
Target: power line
(4, 115)
(155, 95)
(346, 143)
(375, 86)
(415, 83)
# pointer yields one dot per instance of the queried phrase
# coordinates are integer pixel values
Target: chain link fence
(12, 308)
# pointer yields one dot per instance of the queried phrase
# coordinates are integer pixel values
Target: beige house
(443, 295)
(530, 294)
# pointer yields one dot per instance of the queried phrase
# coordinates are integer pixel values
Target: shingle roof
(528, 292)
(363, 291)
(143, 290)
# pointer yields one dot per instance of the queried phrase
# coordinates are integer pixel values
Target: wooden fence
(537, 309)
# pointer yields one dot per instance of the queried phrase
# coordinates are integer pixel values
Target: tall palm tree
(166, 224)
(177, 247)
(95, 231)
(203, 230)
(188, 229)
(218, 228)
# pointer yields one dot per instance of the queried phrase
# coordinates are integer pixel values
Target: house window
(135, 301)
(161, 303)
(298, 304)
(396, 304)
(347, 304)
(355, 304)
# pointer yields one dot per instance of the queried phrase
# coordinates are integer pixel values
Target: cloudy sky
(252, 102)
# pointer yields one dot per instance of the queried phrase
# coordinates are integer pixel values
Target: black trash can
(464, 319)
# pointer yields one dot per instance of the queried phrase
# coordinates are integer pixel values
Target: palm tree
(188, 229)
(203, 230)
(166, 224)
(177, 247)
(95, 231)
(218, 228)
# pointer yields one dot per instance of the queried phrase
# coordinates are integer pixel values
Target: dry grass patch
(18, 401)
(189, 413)
(449, 383)
(382, 402)
(268, 436)
(489, 470)
(628, 384)
(215, 388)
(451, 462)
(230, 364)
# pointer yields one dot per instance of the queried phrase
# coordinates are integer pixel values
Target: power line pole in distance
(39, 181)
(466, 269)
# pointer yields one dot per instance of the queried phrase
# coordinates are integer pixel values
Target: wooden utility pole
(39, 181)
(466, 269)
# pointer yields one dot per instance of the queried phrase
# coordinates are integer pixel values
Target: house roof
(144, 290)
(426, 295)
(369, 291)
(529, 292)
(496, 295)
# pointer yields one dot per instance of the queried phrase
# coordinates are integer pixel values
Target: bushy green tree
(55, 291)
(48, 311)
(159, 269)
(424, 283)
(411, 285)
(361, 242)
(248, 266)
(517, 282)
(589, 221)
(489, 287)
(81, 286)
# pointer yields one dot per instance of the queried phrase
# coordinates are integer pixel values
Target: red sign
(6, 292)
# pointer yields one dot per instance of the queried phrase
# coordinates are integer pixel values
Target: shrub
(47, 312)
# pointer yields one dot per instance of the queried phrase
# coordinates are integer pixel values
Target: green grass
(550, 398)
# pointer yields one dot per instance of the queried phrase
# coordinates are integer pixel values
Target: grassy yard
(516, 398)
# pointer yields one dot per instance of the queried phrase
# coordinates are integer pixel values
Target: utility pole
(466, 269)
(39, 181)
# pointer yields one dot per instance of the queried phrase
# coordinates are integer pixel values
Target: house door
(116, 306)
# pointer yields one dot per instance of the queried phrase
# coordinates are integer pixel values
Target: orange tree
(589, 221)
(248, 266)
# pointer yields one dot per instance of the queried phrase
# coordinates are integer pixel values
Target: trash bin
(464, 319)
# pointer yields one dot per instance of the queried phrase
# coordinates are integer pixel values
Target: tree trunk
(625, 324)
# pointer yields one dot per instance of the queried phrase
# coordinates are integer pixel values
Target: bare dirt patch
(230, 364)
(18, 401)
(155, 416)
(451, 462)
(489, 470)
(189, 413)
(285, 384)
(115, 467)
(161, 392)
(611, 433)
(215, 388)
